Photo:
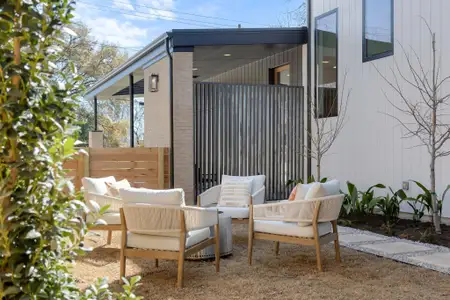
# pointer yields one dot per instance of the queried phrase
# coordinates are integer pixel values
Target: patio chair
(311, 222)
(96, 190)
(167, 232)
(238, 213)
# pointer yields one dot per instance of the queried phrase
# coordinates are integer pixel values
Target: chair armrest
(300, 210)
(258, 197)
(115, 204)
(198, 217)
(209, 197)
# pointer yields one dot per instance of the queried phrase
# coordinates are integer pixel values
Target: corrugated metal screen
(248, 130)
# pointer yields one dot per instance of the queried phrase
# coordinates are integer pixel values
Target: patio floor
(292, 275)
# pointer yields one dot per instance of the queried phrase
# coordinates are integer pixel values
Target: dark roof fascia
(185, 38)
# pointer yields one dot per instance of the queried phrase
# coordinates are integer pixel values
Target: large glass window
(326, 51)
(378, 38)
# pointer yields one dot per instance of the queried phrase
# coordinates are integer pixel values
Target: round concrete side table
(226, 240)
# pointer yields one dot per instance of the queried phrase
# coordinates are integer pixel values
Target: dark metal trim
(183, 49)
(171, 151)
(365, 57)
(131, 89)
(238, 36)
(95, 114)
(333, 11)
(308, 94)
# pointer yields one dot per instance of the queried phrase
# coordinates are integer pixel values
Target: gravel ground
(292, 275)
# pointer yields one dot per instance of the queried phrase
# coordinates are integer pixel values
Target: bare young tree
(327, 124)
(295, 17)
(424, 112)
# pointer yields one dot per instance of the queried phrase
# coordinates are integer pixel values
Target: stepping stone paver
(396, 247)
(357, 238)
(437, 259)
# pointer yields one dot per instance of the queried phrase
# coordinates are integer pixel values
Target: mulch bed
(407, 229)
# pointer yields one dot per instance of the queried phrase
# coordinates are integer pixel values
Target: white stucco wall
(370, 148)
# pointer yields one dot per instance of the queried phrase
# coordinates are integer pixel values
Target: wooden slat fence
(142, 167)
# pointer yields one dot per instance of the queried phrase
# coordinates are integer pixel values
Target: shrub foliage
(40, 227)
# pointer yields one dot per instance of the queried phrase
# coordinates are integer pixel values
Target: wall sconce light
(154, 82)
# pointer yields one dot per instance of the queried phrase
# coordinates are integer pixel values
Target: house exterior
(367, 40)
(225, 101)
(231, 101)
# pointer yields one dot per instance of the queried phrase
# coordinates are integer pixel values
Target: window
(378, 33)
(280, 75)
(326, 62)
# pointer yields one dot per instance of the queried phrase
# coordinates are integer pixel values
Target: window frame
(365, 57)
(328, 13)
(279, 69)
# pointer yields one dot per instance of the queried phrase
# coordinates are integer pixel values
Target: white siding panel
(370, 148)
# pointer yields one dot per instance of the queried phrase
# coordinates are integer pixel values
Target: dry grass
(292, 275)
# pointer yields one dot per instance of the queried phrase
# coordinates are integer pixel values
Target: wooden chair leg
(217, 246)
(109, 239)
(123, 265)
(156, 263)
(318, 258)
(250, 235)
(180, 276)
(336, 242)
(123, 246)
(277, 248)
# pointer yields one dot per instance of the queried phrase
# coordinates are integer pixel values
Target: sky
(133, 24)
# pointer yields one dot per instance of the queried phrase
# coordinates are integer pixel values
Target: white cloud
(124, 33)
(123, 4)
(109, 28)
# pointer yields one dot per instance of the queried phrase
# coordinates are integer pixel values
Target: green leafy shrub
(360, 202)
(310, 179)
(425, 201)
(41, 230)
(350, 200)
(368, 201)
(389, 206)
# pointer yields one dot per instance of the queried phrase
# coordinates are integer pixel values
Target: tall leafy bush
(40, 227)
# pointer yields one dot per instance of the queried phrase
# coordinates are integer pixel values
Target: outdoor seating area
(291, 275)
(157, 224)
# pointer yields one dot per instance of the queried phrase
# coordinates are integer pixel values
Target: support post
(131, 89)
(95, 114)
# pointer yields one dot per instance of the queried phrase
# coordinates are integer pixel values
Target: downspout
(171, 155)
(308, 94)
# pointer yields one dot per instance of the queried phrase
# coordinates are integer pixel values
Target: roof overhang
(185, 40)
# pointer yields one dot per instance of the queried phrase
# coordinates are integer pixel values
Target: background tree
(425, 114)
(94, 59)
(327, 127)
(295, 17)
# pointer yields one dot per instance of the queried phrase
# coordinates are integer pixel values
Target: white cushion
(316, 191)
(257, 181)
(97, 185)
(114, 187)
(331, 187)
(111, 218)
(235, 212)
(145, 241)
(235, 193)
(290, 229)
(163, 197)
